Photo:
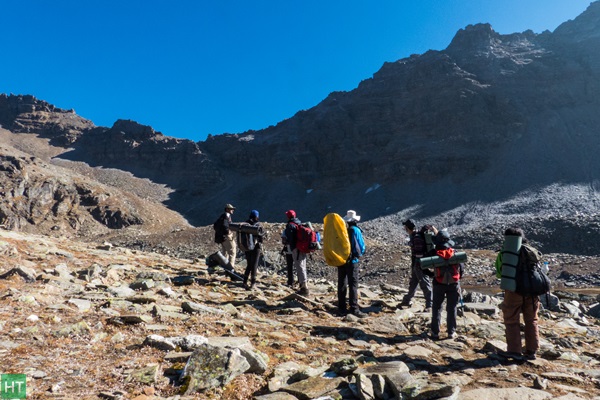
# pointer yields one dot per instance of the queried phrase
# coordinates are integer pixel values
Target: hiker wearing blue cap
(251, 244)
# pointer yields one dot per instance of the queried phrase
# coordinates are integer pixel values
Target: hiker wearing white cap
(348, 273)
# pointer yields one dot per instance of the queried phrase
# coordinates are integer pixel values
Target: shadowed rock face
(490, 116)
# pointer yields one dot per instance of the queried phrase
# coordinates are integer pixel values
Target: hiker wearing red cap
(298, 257)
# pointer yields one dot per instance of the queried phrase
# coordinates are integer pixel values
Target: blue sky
(190, 68)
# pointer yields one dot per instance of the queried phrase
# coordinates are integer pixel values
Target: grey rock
(190, 342)
(276, 396)
(520, 393)
(344, 367)
(314, 387)
(423, 390)
(159, 342)
(146, 375)
(193, 308)
(81, 304)
(142, 284)
(594, 311)
(121, 291)
(283, 374)
(365, 387)
(77, 329)
(211, 367)
(28, 274)
(480, 308)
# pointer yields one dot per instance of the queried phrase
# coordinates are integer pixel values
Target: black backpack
(530, 279)
(220, 230)
(418, 246)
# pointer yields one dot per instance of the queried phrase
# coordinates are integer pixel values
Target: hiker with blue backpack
(348, 273)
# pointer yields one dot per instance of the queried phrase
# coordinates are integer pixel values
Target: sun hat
(351, 216)
(229, 207)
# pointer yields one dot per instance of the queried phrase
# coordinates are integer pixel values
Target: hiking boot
(434, 336)
(511, 355)
(342, 312)
(452, 335)
(529, 355)
(358, 314)
(404, 304)
(303, 291)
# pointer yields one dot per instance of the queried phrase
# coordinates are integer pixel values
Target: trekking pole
(462, 306)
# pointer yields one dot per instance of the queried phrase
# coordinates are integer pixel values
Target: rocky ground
(93, 320)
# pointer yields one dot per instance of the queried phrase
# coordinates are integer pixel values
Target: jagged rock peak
(478, 36)
(585, 26)
(135, 129)
(481, 38)
(28, 103)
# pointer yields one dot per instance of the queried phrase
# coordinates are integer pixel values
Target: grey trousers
(300, 266)
(418, 278)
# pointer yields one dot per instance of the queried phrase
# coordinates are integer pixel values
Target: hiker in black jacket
(252, 256)
(417, 275)
(224, 236)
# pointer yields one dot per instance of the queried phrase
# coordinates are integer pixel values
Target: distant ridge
(490, 116)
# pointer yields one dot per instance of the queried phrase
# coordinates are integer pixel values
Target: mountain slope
(489, 120)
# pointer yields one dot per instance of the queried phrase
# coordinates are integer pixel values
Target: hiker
(252, 256)
(348, 273)
(418, 276)
(446, 284)
(224, 236)
(298, 257)
(289, 260)
(514, 305)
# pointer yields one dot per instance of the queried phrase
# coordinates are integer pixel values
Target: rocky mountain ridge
(490, 126)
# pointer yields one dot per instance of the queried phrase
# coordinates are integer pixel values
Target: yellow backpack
(336, 243)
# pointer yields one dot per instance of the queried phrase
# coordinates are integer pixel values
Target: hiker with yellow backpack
(343, 245)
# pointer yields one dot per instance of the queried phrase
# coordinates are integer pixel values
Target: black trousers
(452, 294)
(290, 268)
(348, 279)
(252, 258)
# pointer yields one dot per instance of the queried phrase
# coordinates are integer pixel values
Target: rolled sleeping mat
(437, 261)
(226, 265)
(245, 227)
(510, 260)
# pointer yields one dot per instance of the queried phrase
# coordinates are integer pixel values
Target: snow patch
(372, 188)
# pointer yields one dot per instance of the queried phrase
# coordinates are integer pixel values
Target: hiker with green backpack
(523, 281)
